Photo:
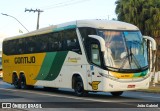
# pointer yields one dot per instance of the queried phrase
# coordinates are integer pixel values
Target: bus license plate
(131, 86)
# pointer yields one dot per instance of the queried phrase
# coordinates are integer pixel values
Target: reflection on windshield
(124, 50)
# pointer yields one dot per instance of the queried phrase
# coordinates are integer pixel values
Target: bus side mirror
(101, 41)
(153, 42)
(152, 54)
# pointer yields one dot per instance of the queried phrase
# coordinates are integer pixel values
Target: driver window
(95, 55)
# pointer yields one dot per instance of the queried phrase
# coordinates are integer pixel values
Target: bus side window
(30, 45)
(21, 46)
(9, 47)
(55, 41)
(42, 44)
(85, 31)
(95, 55)
(71, 41)
(14, 46)
(6, 47)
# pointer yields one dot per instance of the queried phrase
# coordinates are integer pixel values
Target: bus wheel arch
(73, 79)
(23, 82)
(16, 81)
(78, 85)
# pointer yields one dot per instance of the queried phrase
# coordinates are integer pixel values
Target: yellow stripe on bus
(122, 75)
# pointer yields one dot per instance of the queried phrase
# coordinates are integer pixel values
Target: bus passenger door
(95, 66)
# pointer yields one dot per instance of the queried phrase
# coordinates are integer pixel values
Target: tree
(143, 13)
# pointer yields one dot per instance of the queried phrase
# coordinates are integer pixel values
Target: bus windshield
(125, 50)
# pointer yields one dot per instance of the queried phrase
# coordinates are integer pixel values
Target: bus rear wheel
(23, 82)
(16, 82)
(118, 93)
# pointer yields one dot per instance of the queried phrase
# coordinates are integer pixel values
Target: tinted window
(70, 41)
(56, 41)
(87, 31)
(21, 47)
(84, 34)
(41, 43)
(95, 55)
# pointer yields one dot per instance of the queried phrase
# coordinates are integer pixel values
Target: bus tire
(79, 88)
(116, 94)
(23, 82)
(16, 81)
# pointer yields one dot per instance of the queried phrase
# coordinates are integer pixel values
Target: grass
(152, 89)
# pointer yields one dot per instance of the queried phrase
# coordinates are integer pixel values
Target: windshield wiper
(135, 60)
(131, 57)
(125, 60)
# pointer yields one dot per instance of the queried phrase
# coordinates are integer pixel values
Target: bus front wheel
(118, 93)
(79, 88)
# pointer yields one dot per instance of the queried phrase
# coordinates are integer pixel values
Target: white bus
(1, 73)
(85, 55)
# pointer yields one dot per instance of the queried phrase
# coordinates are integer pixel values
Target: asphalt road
(65, 100)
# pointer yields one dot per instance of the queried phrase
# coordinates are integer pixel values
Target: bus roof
(99, 24)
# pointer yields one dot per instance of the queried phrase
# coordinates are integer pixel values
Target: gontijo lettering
(25, 60)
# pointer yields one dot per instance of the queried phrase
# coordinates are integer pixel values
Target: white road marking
(77, 98)
(151, 96)
(53, 95)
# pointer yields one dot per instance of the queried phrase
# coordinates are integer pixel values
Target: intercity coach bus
(84, 55)
(1, 72)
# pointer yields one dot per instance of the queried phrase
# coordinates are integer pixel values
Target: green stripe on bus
(56, 66)
(46, 66)
(144, 73)
(64, 28)
(137, 74)
(141, 74)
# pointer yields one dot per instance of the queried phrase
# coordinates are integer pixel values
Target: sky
(54, 12)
